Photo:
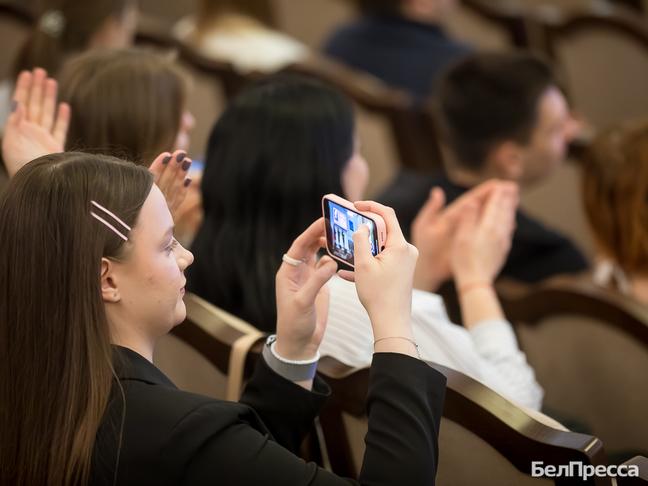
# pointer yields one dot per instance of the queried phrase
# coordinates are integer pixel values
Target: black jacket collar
(130, 365)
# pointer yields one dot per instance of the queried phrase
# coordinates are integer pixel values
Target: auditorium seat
(209, 352)
(490, 25)
(311, 22)
(211, 82)
(640, 462)
(589, 349)
(604, 58)
(484, 438)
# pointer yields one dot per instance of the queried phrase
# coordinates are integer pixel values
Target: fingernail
(180, 157)
(186, 164)
(14, 105)
(187, 182)
(166, 160)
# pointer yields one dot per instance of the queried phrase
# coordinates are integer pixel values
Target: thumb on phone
(361, 247)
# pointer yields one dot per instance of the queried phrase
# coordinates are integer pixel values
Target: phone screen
(341, 223)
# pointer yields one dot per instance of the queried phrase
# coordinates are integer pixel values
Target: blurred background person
(257, 196)
(615, 195)
(237, 31)
(64, 28)
(401, 42)
(500, 116)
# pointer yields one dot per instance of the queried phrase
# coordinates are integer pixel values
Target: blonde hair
(615, 191)
(126, 103)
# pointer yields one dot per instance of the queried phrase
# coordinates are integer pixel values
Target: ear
(506, 161)
(109, 290)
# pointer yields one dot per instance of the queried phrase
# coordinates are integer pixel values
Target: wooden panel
(312, 21)
(557, 202)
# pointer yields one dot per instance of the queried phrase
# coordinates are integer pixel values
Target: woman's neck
(124, 333)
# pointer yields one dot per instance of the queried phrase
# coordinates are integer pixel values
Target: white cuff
(293, 370)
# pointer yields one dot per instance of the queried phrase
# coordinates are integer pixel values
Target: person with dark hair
(271, 156)
(91, 277)
(500, 116)
(400, 42)
(279, 147)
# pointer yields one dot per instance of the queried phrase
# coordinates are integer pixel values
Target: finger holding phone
(384, 281)
(302, 296)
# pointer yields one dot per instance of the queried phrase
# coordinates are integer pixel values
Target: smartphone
(342, 220)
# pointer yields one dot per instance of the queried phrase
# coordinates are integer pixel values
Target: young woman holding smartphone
(91, 277)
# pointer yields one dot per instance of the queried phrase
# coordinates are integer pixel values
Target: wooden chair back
(484, 438)
(313, 21)
(491, 25)
(212, 82)
(589, 349)
(641, 463)
(603, 56)
(211, 352)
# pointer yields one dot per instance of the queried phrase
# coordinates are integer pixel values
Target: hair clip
(106, 223)
(52, 23)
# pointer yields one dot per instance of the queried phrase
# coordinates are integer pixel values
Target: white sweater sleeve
(495, 342)
(488, 353)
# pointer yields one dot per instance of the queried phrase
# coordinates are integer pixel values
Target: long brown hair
(126, 103)
(56, 372)
(75, 24)
(615, 191)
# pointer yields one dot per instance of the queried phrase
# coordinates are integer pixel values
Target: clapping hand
(433, 233)
(37, 125)
(170, 175)
(483, 236)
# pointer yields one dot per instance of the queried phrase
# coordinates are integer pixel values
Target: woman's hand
(384, 282)
(170, 175)
(483, 237)
(36, 127)
(433, 233)
(302, 298)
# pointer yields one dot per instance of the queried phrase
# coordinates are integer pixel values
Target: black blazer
(174, 437)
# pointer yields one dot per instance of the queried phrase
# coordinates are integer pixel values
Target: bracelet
(463, 289)
(418, 353)
(293, 370)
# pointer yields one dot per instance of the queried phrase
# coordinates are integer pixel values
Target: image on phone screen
(341, 224)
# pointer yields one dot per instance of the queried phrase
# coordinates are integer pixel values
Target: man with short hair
(500, 116)
(400, 42)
